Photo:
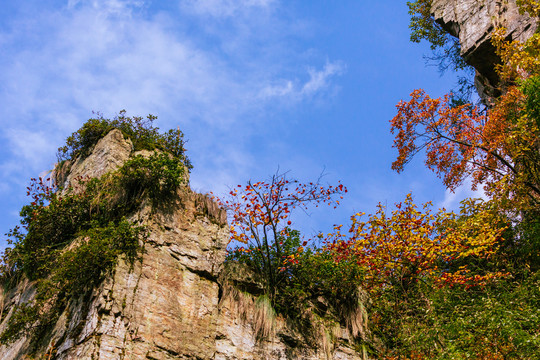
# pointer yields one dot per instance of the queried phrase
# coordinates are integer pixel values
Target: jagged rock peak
(109, 153)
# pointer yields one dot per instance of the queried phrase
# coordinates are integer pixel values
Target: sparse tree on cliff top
(260, 215)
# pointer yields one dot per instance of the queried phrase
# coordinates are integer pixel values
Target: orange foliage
(452, 137)
(463, 142)
(260, 210)
(497, 148)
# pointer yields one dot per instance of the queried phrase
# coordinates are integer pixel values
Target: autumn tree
(419, 265)
(260, 217)
(497, 149)
(412, 244)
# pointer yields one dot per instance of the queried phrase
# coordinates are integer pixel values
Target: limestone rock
(108, 154)
(473, 22)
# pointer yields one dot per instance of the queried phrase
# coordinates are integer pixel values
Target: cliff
(473, 23)
(175, 302)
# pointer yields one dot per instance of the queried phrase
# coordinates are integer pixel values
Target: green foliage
(53, 220)
(84, 266)
(256, 258)
(531, 7)
(71, 273)
(502, 320)
(526, 247)
(157, 177)
(497, 322)
(50, 224)
(253, 255)
(423, 26)
(531, 89)
(445, 47)
(311, 286)
(22, 321)
(61, 267)
(320, 273)
(70, 241)
(81, 141)
(140, 130)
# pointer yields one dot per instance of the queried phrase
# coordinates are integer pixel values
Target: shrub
(140, 130)
(156, 177)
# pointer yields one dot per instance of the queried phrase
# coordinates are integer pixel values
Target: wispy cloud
(319, 80)
(107, 55)
(225, 8)
(116, 7)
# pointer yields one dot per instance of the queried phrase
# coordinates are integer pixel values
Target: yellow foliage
(409, 245)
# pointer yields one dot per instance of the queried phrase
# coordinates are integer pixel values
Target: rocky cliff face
(170, 304)
(473, 22)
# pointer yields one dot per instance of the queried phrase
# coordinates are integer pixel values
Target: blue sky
(255, 85)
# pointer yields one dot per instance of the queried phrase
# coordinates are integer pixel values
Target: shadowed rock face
(473, 22)
(168, 305)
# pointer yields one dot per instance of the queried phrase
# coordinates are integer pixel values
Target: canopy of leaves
(400, 249)
(140, 130)
(497, 149)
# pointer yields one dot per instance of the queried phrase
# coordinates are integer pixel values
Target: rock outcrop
(170, 304)
(473, 23)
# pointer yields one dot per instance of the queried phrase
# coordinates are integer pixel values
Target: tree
(409, 245)
(260, 215)
(497, 148)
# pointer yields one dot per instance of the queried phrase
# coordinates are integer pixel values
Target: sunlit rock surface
(170, 304)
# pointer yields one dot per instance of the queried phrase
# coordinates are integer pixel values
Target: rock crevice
(473, 23)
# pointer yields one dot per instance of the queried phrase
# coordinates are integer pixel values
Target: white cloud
(120, 54)
(283, 88)
(30, 145)
(90, 62)
(85, 61)
(319, 80)
(225, 8)
(451, 201)
(116, 7)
